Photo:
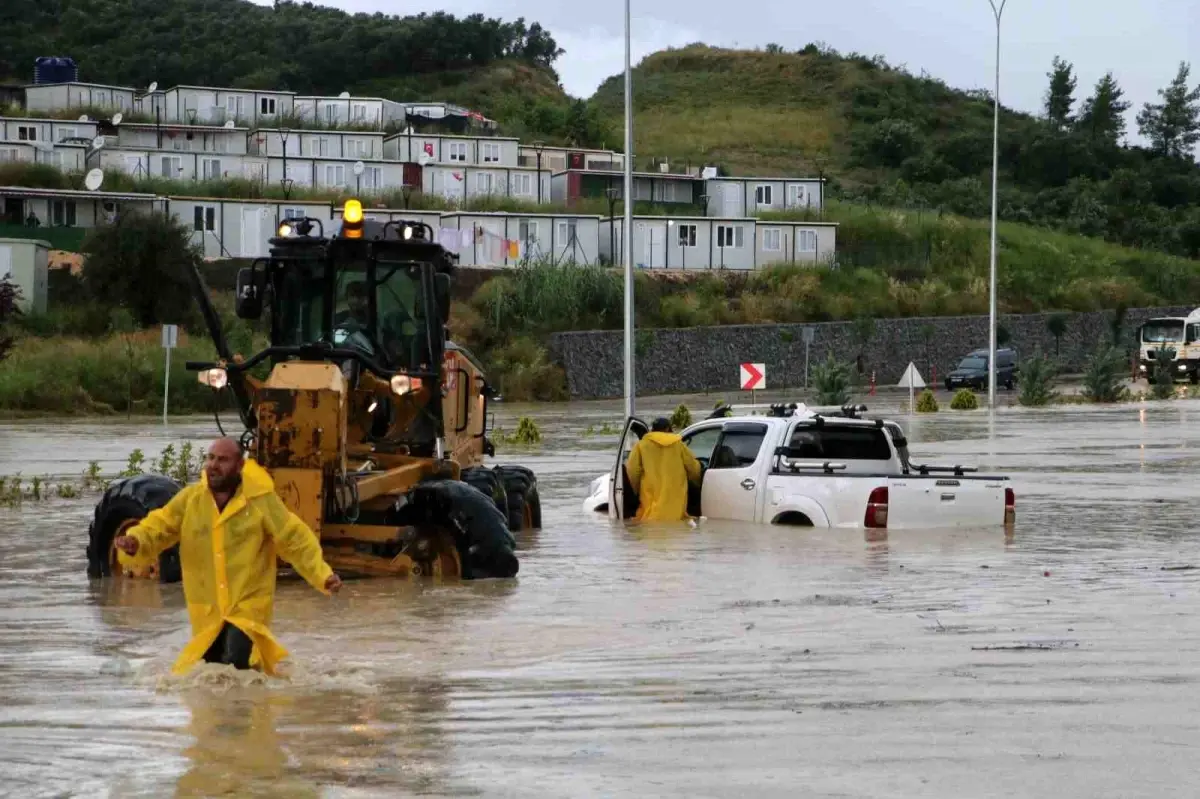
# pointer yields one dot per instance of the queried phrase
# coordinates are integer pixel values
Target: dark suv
(972, 371)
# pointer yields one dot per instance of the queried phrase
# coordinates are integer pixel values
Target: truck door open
(622, 499)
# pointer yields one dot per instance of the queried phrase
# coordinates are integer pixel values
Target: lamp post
(627, 237)
(998, 11)
(538, 146)
(612, 192)
(285, 181)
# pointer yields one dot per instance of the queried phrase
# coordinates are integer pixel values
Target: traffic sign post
(810, 333)
(753, 377)
(170, 338)
(913, 380)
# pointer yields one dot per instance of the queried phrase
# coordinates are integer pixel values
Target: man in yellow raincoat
(230, 526)
(660, 468)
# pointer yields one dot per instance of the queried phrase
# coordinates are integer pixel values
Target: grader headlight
(215, 379)
(403, 384)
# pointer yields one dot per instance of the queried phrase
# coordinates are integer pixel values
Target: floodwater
(728, 660)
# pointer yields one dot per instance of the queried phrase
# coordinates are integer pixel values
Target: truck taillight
(877, 508)
(1010, 506)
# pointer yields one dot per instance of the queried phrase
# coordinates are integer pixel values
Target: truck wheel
(485, 546)
(524, 509)
(490, 482)
(124, 504)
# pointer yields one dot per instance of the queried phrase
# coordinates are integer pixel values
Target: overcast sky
(1141, 42)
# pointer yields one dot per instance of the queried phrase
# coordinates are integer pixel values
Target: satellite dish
(424, 159)
(98, 142)
(153, 85)
(229, 124)
(344, 95)
(94, 179)
(359, 166)
(117, 117)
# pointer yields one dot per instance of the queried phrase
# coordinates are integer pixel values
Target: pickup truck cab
(803, 467)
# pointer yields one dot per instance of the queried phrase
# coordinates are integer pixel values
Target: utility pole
(998, 11)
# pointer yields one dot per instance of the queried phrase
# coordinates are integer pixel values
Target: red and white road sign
(754, 376)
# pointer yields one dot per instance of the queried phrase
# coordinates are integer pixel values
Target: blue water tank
(55, 69)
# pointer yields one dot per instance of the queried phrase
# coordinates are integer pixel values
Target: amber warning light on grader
(352, 219)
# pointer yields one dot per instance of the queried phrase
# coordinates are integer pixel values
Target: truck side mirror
(248, 303)
(441, 290)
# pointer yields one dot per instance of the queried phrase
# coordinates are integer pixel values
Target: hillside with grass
(503, 69)
(883, 136)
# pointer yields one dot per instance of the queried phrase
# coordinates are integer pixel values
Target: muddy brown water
(729, 660)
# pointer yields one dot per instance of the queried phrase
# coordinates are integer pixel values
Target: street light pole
(998, 11)
(283, 136)
(627, 233)
(538, 145)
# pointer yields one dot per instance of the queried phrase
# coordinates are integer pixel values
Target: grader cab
(371, 422)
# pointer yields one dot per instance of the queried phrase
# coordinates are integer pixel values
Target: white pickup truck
(803, 467)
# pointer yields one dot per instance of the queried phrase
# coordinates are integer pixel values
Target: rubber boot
(232, 647)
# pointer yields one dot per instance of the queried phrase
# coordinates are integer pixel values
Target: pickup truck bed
(802, 467)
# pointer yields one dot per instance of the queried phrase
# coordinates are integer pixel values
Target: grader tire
(490, 482)
(126, 500)
(524, 506)
(481, 534)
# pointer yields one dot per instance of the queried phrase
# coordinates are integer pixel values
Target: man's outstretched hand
(127, 544)
(333, 583)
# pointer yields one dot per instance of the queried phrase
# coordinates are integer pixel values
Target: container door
(254, 232)
(622, 499)
(733, 199)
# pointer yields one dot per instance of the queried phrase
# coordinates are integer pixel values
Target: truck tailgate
(945, 501)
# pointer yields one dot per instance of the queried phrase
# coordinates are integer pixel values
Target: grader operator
(371, 422)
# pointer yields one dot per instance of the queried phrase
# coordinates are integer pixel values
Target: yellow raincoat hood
(659, 468)
(228, 560)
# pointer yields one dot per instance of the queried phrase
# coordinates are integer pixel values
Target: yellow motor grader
(371, 422)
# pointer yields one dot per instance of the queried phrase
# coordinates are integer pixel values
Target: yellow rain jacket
(660, 467)
(228, 560)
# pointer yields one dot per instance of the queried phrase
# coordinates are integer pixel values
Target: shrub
(9, 312)
(832, 381)
(1057, 325)
(926, 402)
(140, 261)
(527, 431)
(681, 418)
(1103, 375)
(964, 400)
(1162, 383)
(1037, 381)
(522, 370)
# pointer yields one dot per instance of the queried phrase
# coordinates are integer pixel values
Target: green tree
(1173, 126)
(1102, 118)
(9, 295)
(1057, 325)
(139, 262)
(1060, 97)
(1003, 336)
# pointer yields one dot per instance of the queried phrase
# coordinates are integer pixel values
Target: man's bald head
(223, 466)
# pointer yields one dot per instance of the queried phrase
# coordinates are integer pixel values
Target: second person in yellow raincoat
(660, 468)
(230, 526)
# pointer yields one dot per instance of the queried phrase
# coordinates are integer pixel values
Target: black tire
(131, 498)
(485, 546)
(490, 482)
(520, 484)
